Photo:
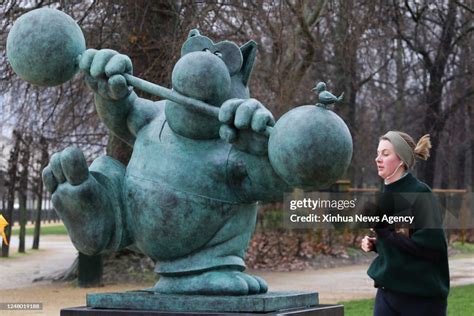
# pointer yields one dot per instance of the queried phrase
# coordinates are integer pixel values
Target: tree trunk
(118, 149)
(39, 192)
(400, 103)
(433, 124)
(23, 194)
(89, 270)
(459, 180)
(434, 119)
(12, 178)
(470, 111)
(39, 202)
(22, 219)
(345, 56)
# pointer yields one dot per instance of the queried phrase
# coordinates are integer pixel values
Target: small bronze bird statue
(326, 98)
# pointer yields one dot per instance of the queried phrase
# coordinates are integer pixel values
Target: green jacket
(417, 264)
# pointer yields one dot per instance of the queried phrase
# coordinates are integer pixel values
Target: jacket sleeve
(408, 245)
(428, 240)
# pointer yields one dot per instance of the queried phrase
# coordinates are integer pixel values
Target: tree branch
(455, 105)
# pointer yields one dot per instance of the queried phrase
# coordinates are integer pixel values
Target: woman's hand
(367, 244)
(403, 231)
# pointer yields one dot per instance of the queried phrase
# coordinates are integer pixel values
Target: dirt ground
(55, 296)
(55, 255)
(17, 273)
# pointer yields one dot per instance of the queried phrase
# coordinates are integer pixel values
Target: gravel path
(57, 254)
(351, 282)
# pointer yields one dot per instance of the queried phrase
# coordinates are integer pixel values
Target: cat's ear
(249, 51)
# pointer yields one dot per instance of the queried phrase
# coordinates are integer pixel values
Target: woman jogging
(411, 270)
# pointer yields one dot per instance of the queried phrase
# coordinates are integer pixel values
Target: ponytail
(422, 149)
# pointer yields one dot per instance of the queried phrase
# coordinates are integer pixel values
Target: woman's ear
(249, 51)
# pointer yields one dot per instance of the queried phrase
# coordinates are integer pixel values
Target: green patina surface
(43, 46)
(188, 196)
(260, 303)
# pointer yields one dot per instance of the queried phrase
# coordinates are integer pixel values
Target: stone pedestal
(147, 300)
(319, 310)
(148, 303)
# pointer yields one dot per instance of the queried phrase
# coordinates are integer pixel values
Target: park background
(402, 65)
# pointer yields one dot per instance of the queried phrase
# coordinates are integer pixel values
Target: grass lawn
(464, 248)
(460, 303)
(59, 229)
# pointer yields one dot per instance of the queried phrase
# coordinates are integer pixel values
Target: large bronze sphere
(43, 47)
(310, 147)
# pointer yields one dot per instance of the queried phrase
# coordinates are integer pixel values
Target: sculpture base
(320, 310)
(151, 301)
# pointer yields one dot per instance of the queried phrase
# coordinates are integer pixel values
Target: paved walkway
(351, 282)
(57, 254)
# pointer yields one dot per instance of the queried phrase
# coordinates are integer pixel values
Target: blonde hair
(421, 149)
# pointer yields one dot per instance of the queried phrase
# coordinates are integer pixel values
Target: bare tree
(434, 32)
(25, 154)
(11, 189)
(42, 162)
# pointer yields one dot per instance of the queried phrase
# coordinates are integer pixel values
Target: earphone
(401, 164)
